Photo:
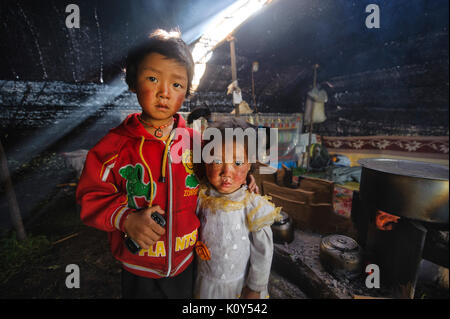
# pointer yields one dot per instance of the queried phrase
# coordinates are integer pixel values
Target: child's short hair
(165, 43)
(230, 122)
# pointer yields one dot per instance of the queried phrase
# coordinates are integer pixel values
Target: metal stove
(401, 215)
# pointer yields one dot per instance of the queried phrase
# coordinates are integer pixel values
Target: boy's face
(161, 86)
(228, 177)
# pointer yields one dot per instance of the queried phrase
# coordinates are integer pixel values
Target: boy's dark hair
(165, 43)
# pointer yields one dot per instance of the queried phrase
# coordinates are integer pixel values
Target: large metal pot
(411, 189)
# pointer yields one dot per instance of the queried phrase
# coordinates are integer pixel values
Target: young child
(235, 245)
(129, 174)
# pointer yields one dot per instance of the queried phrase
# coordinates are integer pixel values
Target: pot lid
(340, 242)
(284, 218)
(406, 168)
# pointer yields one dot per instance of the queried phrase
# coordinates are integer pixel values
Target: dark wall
(391, 80)
(36, 44)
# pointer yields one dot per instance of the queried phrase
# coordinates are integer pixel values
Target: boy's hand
(247, 293)
(252, 187)
(142, 228)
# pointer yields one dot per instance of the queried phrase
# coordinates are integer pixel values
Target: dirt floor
(71, 242)
(88, 248)
(46, 188)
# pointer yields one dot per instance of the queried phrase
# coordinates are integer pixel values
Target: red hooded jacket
(116, 181)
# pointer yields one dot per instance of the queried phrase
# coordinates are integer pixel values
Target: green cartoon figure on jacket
(135, 185)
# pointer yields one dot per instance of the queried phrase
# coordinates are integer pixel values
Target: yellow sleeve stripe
(119, 216)
(103, 166)
(115, 188)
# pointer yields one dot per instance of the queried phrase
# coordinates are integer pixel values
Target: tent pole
(308, 158)
(14, 211)
(233, 68)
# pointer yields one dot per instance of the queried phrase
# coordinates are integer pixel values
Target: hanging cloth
(316, 100)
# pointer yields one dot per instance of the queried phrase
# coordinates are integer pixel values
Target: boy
(129, 174)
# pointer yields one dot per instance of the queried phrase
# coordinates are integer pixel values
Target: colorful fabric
(342, 201)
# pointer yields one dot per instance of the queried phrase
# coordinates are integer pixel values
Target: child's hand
(252, 187)
(142, 228)
(247, 293)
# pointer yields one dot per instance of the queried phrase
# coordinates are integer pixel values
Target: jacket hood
(133, 128)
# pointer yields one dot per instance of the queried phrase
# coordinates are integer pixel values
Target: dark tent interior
(383, 67)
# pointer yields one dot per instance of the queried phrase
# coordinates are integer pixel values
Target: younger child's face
(228, 177)
(161, 86)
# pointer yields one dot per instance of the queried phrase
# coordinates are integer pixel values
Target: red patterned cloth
(420, 146)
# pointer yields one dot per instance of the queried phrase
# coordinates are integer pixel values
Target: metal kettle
(283, 229)
(341, 256)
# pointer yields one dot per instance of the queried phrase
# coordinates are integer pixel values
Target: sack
(319, 157)
(316, 101)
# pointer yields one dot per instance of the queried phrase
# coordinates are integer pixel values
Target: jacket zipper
(183, 262)
(170, 211)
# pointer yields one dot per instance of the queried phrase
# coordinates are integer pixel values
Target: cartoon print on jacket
(135, 186)
(187, 159)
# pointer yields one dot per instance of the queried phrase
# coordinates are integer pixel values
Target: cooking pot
(341, 256)
(283, 229)
(411, 189)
